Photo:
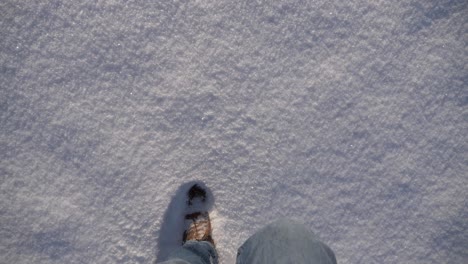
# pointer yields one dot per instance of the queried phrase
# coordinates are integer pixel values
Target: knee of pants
(288, 227)
(285, 241)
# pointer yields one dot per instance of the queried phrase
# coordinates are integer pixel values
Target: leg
(284, 241)
(194, 252)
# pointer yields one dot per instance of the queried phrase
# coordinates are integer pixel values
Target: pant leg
(194, 252)
(283, 242)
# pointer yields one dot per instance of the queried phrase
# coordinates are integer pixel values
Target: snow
(349, 116)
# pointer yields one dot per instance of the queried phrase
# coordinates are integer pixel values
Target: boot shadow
(172, 228)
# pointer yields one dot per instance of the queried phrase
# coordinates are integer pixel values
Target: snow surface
(350, 116)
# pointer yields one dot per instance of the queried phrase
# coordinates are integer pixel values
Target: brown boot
(197, 219)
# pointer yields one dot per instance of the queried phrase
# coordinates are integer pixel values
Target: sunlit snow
(349, 116)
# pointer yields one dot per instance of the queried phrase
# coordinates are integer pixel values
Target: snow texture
(349, 116)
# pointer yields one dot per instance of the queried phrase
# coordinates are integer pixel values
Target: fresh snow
(349, 116)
